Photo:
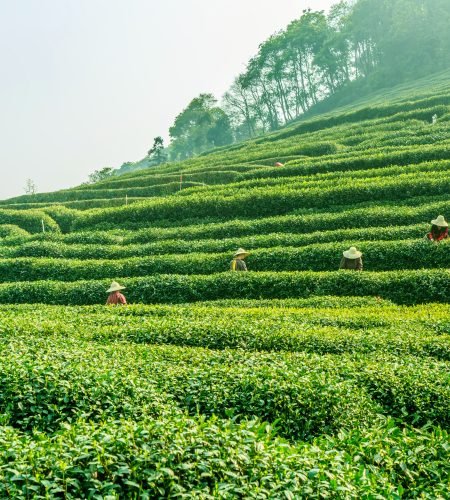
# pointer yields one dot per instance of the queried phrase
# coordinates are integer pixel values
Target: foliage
(202, 125)
(157, 153)
(294, 380)
(403, 287)
(100, 175)
(29, 220)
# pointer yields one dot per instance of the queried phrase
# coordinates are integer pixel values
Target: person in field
(439, 229)
(351, 259)
(238, 264)
(115, 297)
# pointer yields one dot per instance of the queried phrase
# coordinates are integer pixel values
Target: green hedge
(344, 217)
(327, 180)
(114, 459)
(208, 177)
(374, 158)
(423, 109)
(30, 220)
(268, 201)
(11, 231)
(108, 246)
(93, 194)
(378, 256)
(403, 287)
(62, 215)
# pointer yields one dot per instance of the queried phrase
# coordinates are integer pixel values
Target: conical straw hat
(439, 221)
(352, 253)
(115, 287)
(240, 251)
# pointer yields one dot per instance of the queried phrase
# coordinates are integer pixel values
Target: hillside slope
(294, 380)
(372, 175)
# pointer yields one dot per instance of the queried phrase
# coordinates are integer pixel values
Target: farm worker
(278, 164)
(238, 264)
(352, 260)
(115, 297)
(439, 229)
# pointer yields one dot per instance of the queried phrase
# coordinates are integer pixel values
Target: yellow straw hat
(439, 221)
(241, 251)
(352, 253)
(115, 287)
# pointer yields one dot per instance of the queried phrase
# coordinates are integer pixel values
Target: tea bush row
(351, 161)
(112, 249)
(45, 384)
(273, 326)
(91, 194)
(378, 256)
(268, 201)
(402, 287)
(209, 177)
(422, 209)
(30, 220)
(325, 180)
(209, 458)
(13, 232)
(48, 382)
(366, 215)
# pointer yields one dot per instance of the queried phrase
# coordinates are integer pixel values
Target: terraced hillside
(292, 380)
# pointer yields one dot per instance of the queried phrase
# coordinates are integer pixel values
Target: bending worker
(352, 260)
(115, 297)
(439, 229)
(238, 264)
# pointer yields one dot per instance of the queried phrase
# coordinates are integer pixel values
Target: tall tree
(200, 126)
(157, 153)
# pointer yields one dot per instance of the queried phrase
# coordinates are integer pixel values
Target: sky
(87, 84)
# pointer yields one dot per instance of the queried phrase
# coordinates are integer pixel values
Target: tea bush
(294, 380)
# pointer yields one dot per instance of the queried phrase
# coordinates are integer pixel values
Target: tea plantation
(294, 380)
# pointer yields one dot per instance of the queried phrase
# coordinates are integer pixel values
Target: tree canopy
(373, 43)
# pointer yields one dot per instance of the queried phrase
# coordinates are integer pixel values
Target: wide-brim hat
(241, 251)
(115, 287)
(352, 253)
(439, 221)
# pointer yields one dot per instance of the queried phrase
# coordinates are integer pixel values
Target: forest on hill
(317, 62)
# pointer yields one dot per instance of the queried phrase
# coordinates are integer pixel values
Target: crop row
(30, 220)
(11, 231)
(47, 382)
(91, 194)
(364, 216)
(59, 248)
(326, 180)
(267, 201)
(371, 159)
(299, 221)
(177, 456)
(164, 189)
(378, 256)
(402, 287)
(69, 379)
(209, 177)
(413, 109)
(374, 326)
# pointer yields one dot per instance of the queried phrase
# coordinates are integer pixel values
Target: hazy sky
(89, 83)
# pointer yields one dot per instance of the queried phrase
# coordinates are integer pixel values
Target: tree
(100, 175)
(200, 126)
(30, 187)
(157, 153)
